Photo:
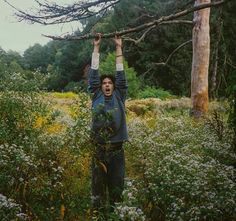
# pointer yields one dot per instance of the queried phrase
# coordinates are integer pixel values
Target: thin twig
(49, 14)
(137, 41)
(167, 60)
(141, 38)
(172, 53)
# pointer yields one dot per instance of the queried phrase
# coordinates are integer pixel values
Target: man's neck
(108, 97)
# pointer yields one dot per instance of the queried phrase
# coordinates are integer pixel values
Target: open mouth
(107, 90)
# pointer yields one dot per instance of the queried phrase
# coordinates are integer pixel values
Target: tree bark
(200, 62)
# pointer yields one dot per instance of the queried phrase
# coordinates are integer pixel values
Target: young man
(109, 129)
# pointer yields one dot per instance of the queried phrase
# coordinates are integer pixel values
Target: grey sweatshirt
(108, 114)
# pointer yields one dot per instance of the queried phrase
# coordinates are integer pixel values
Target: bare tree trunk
(234, 122)
(213, 92)
(200, 63)
(214, 74)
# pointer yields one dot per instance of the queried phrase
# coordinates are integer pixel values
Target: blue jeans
(108, 171)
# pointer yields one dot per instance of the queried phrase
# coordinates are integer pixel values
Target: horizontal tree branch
(187, 22)
(139, 28)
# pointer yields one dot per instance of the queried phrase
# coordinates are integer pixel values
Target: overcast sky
(18, 36)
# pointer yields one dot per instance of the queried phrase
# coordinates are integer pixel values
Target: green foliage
(24, 81)
(10, 62)
(55, 81)
(42, 157)
(226, 72)
(222, 31)
(9, 210)
(108, 66)
(38, 57)
(76, 87)
(14, 67)
(185, 171)
(18, 112)
(27, 155)
(70, 60)
(11, 56)
(157, 45)
(176, 167)
(13, 77)
(149, 92)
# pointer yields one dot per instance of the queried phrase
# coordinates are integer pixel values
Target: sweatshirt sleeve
(121, 83)
(95, 61)
(93, 77)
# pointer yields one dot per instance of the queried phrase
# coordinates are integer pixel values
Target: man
(109, 129)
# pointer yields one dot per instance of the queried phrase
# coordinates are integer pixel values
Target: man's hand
(97, 41)
(118, 41)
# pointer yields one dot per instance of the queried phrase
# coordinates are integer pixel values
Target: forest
(181, 118)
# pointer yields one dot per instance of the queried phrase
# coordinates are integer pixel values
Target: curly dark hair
(110, 76)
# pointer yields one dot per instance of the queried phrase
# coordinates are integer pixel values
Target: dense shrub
(76, 87)
(177, 169)
(9, 210)
(18, 114)
(24, 81)
(185, 171)
(149, 92)
(44, 155)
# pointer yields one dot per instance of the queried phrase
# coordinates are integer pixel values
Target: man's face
(107, 86)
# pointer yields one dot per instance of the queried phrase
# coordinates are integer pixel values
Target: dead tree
(200, 62)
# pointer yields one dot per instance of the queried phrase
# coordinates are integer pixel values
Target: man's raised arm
(121, 83)
(93, 79)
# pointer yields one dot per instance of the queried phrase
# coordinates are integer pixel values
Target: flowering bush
(177, 169)
(42, 162)
(129, 208)
(9, 210)
(185, 172)
(18, 113)
(24, 81)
